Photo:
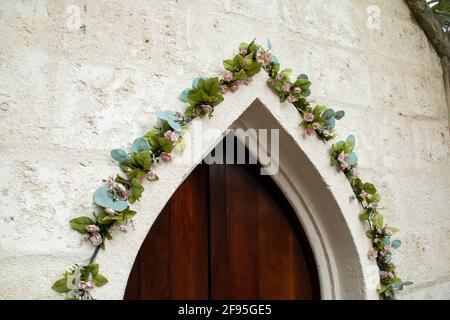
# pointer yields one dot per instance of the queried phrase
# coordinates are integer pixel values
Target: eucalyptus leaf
(328, 114)
(352, 159)
(184, 95)
(170, 118)
(119, 155)
(339, 115)
(102, 198)
(140, 144)
(396, 244)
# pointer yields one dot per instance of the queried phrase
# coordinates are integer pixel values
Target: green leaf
(396, 244)
(211, 86)
(386, 241)
(79, 224)
(60, 286)
(252, 69)
(93, 267)
(99, 280)
(136, 191)
(229, 65)
(143, 160)
(364, 215)
(369, 188)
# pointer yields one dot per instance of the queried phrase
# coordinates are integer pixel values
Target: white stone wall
(73, 87)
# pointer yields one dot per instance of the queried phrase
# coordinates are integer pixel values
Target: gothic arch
(321, 197)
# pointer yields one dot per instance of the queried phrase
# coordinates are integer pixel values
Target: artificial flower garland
(112, 200)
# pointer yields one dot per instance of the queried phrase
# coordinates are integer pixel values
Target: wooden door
(226, 233)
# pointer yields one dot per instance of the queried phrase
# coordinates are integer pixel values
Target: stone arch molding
(321, 197)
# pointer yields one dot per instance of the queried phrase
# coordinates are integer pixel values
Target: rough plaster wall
(71, 90)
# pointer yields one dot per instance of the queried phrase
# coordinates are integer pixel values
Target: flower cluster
(78, 282)
(113, 199)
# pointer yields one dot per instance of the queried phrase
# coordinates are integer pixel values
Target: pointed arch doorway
(226, 233)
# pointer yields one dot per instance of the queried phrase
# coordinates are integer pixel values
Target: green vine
(113, 199)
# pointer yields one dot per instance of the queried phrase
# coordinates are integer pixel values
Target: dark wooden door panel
(173, 260)
(227, 233)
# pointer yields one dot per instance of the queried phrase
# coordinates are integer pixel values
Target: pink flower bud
(279, 77)
(86, 286)
(207, 108)
(291, 98)
(342, 156)
(326, 133)
(123, 228)
(110, 182)
(297, 90)
(383, 274)
(152, 176)
(259, 58)
(248, 81)
(110, 211)
(92, 229)
(316, 126)
(234, 88)
(310, 131)
(170, 135)
(227, 76)
(308, 117)
(243, 51)
(372, 254)
(223, 89)
(96, 239)
(166, 156)
(286, 87)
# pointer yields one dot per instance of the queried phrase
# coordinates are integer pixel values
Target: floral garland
(112, 200)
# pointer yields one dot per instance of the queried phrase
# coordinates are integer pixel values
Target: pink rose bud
(166, 156)
(372, 254)
(243, 51)
(326, 133)
(291, 98)
(170, 135)
(342, 156)
(86, 286)
(227, 76)
(110, 211)
(110, 182)
(259, 59)
(96, 239)
(309, 117)
(267, 57)
(207, 108)
(234, 88)
(286, 87)
(92, 229)
(223, 89)
(152, 176)
(315, 125)
(248, 81)
(123, 228)
(383, 274)
(310, 131)
(297, 90)
(279, 77)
